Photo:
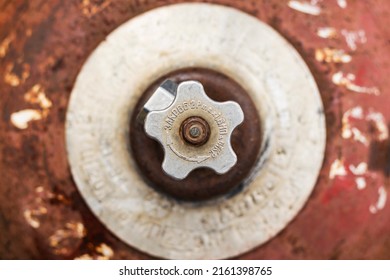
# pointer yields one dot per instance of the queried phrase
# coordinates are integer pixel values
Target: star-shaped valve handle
(193, 129)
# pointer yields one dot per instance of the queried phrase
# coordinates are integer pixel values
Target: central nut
(195, 131)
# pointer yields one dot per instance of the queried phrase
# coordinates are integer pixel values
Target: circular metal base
(227, 41)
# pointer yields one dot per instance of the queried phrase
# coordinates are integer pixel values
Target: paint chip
(358, 136)
(381, 202)
(22, 118)
(36, 95)
(327, 32)
(4, 46)
(337, 169)
(360, 183)
(89, 9)
(310, 8)
(31, 216)
(330, 55)
(360, 169)
(13, 79)
(354, 37)
(347, 131)
(380, 123)
(105, 251)
(342, 3)
(62, 238)
(84, 257)
(102, 252)
(31, 220)
(347, 80)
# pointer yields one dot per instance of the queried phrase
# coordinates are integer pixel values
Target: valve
(193, 129)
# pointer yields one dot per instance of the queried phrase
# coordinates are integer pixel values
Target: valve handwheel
(193, 130)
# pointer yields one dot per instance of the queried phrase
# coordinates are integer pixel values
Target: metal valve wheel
(194, 130)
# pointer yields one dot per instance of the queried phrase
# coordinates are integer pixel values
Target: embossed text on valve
(193, 129)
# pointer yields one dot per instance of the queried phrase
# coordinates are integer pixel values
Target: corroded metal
(246, 140)
(288, 104)
(195, 131)
(35, 173)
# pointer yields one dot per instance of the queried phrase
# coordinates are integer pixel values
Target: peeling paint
(347, 80)
(4, 45)
(381, 202)
(105, 251)
(61, 237)
(89, 9)
(379, 121)
(14, 80)
(36, 95)
(330, 55)
(337, 169)
(327, 32)
(84, 257)
(380, 124)
(102, 252)
(360, 183)
(31, 216)
(342, 3)
(354, 37)
(310, 8)
(22, 118)
(360, 169)
(347, 131)
(358, 136)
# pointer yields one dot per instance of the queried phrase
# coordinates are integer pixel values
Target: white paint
(381, 202)
(208, 36)
(310, 8)
(380, 124)
(105, 250)
(354, 37)
(360, 169)
(331, 55)
(36, 95)
(342, 3)
(327, 32)
(360, 183)
(358, 136)
(337, 169)
(348, 131)
(4, 45)
(356, 112)
(347, 80)
(22, 118)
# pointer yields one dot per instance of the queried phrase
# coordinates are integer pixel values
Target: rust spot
(16, 74)
(65, 237)
(36, 95)
(6, 43)
(379, 156)
(90, 7)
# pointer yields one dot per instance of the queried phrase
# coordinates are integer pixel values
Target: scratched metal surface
(42, 47)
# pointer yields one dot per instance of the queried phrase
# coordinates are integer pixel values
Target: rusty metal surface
(42, 47)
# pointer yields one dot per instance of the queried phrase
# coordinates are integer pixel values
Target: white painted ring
(228, 41)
